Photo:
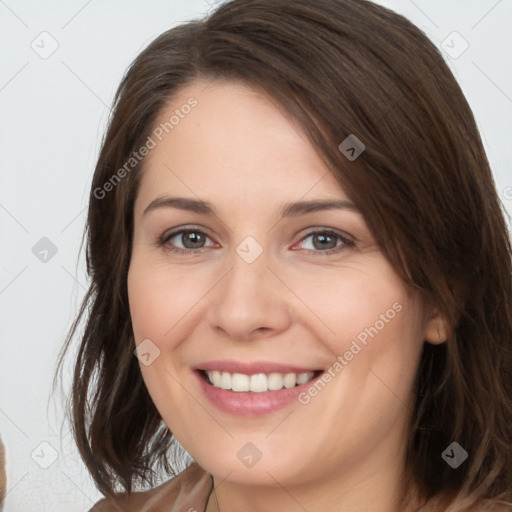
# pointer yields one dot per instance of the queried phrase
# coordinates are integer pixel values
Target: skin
(344, 450)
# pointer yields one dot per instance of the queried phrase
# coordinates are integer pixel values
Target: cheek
(356, 304)
(158, 299)
(156, 305)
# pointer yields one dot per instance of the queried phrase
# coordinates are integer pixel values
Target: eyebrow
(286, 210)
(182, 203)
(303, 207)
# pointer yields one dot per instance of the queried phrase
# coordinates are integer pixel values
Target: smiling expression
(254, 273)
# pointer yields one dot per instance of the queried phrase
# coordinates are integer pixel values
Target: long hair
(423, 183)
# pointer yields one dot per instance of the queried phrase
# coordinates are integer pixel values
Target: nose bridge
(247, 281)
(249, 297)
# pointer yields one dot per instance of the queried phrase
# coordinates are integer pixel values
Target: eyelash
(164, 239)
(346, 241)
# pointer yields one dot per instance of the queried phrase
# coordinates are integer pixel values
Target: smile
(257, 383)
(253, 388)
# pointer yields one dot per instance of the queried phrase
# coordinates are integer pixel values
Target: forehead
(233, 142)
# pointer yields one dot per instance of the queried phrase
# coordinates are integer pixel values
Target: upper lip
(252, 368)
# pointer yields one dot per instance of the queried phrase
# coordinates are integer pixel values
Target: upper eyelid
(346, 239)
(309, 231)
(338, 232)
(177, 231)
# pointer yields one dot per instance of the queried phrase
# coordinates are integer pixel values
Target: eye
(185, 241)
(325, 242)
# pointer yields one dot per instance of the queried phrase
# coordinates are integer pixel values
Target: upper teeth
(258, 383)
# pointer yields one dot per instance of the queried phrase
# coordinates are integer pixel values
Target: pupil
(325, 242)
(192, 238)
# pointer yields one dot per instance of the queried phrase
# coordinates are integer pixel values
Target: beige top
(190, 490)
(187, 492)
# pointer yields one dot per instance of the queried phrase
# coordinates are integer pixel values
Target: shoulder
(187, 491)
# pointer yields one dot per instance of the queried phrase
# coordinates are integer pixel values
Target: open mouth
(257, 383)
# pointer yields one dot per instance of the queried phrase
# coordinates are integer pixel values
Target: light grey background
(52, 115)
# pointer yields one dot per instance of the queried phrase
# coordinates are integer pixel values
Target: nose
(249, 302)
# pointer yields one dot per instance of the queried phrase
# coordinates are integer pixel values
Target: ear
(436, 327)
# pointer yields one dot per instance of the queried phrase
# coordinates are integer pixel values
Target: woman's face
(252, 268)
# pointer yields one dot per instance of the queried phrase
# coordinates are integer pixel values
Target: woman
(294, 225)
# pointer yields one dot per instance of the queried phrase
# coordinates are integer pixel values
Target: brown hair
(423, 183)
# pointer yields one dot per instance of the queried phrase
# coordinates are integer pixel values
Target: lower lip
(251, 404)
